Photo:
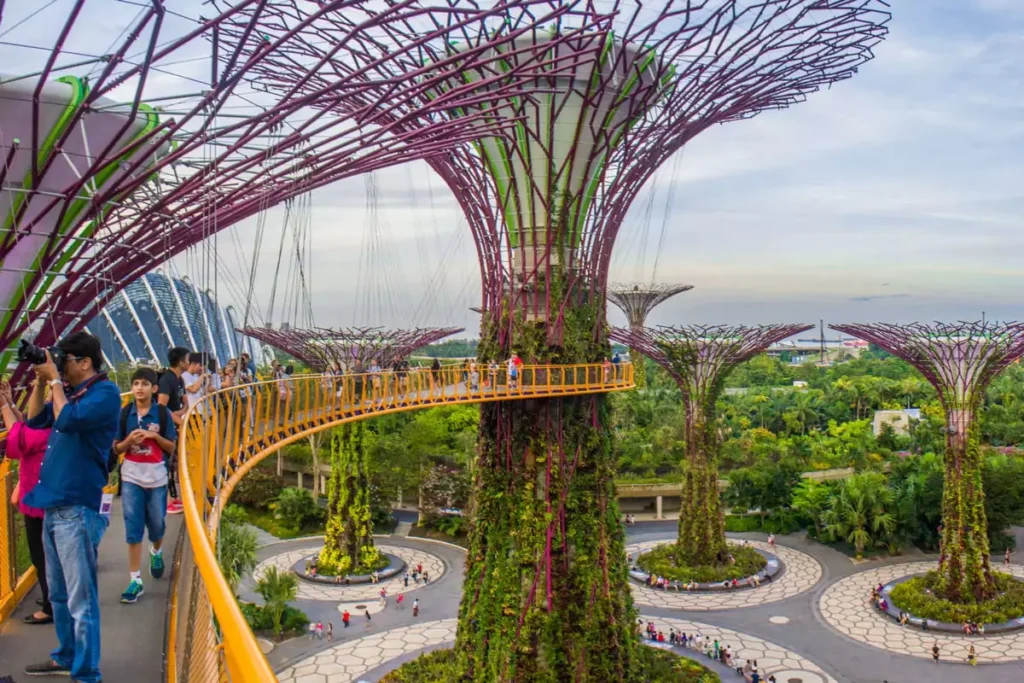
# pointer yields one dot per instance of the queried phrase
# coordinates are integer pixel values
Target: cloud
(878, 297)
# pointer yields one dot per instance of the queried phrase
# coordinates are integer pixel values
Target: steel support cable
(280, 250)
(669, 200)
(261, 224)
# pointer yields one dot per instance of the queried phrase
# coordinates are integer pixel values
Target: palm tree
(860, 509)
(277, 588)
(236, 546)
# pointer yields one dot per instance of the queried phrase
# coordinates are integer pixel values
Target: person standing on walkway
(972, 657)
(399, 600)
(1006, 557)
(771, 541)
(171, 393)
(368, 620)
(28, 446)
(330, 631)
(416, 607)
(70, 491)
(935, 652)
(345, 617)
(145, 436)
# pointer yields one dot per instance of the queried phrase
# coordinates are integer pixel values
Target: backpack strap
(163, 415)
(123, 433)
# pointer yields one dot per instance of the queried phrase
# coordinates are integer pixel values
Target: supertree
(545, 595)
(348, 539)
(959, 360)
(699, 358)
(169, 140)
(637, 301)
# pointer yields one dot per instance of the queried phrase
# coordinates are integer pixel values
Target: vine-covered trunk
(546, 595)
(639, 368)
(701, 524)
(964, 569)
(348, 542)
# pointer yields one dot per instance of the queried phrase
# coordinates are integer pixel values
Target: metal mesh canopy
(553, 194)
(958, 359)
(351, 348)
(170, 138)
(698, 356)
(638, 300)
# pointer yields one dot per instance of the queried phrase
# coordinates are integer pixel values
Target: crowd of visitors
(710, 647)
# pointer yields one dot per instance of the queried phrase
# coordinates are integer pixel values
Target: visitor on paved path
(399, 600)
(345, 617)
(416, 607)
(426, 578)
(1006, 557)
(312, 630)
(146, 437)
(717, 649)
(368, 619)
(972, 657)
(70, 491)
(406, 579)
(771, 541)
(330, 631)
(28, 446)
(383, 597)
(171, 393)
(935, 652)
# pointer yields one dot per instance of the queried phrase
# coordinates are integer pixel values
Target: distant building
(157, 312)
(898, 419)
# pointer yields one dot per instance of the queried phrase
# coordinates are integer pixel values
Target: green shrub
(654, 666)
(294, 507)
(916, 596)
(453, 526)
(294, 621)
(662, 562)
(258, 488)
(742, 523)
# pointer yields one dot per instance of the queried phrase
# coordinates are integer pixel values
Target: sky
(894, 196)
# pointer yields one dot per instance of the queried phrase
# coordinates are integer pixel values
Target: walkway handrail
(227, 433)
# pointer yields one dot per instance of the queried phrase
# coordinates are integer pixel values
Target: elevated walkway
(195, 631)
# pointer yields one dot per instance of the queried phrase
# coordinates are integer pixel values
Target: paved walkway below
(133, 635)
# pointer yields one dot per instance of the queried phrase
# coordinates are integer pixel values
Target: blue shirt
(74, 469)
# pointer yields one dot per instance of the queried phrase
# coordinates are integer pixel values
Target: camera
(36, 355)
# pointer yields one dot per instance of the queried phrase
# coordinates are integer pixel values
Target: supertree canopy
(352, 349)
(169, 139)
(545, 596)
(699, 358)
(637, 301)
(959, 360)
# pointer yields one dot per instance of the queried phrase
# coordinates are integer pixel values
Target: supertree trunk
(639, 368)
(348, 542)
(546, 596)
(701, 524)
(964, 570)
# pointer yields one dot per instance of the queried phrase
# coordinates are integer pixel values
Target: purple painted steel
(351, 347)
(227, 165)
(698, 356)
(699, 65)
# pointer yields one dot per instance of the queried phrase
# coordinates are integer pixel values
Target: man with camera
(83, 419)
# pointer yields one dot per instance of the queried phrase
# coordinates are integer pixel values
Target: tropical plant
(277, 588)
(294, 506)
(236, 547)
(859, 512)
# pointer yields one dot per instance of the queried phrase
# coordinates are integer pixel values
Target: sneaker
(132, 593)
(174, 507)
(47, 668)
(156, 565)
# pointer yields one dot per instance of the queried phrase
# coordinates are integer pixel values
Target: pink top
(29, 446)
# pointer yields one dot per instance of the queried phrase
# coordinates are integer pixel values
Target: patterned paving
(771, 659)
(345, 662)
(802, 572)
(846, 606)
(308, 590)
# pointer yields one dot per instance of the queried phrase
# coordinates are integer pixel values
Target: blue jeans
(71, 538)
(144, 510)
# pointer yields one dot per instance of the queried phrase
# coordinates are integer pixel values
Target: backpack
(163, 415)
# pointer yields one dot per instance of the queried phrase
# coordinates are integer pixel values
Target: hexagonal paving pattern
(308, 590)
(784, 664)
(846, 606)
(801, 573)
(347, 661)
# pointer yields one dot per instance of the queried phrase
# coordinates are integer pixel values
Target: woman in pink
(28, 446)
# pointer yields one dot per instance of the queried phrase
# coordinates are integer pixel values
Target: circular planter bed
(771, 568)
(656, 666)
(1013, 594)
(394, 566)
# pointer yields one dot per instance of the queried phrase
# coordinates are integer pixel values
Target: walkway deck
(133, 635)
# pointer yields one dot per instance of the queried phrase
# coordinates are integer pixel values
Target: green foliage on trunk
(348, 542)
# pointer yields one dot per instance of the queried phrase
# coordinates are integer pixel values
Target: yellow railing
(226, 434)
